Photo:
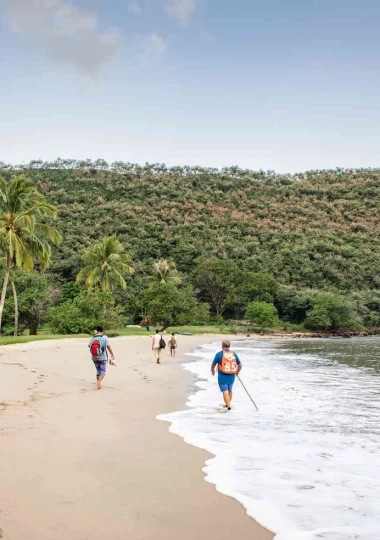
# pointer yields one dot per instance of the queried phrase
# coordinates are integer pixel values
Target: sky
(283, 85)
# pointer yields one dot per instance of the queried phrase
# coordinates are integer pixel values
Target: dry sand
(82, 464)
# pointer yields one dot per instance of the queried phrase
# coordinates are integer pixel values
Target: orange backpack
(229, 365)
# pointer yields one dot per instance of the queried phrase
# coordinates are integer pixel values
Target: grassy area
(12, 340)
(128, 332)
(222, 329)
(212, 329)
(176, 329)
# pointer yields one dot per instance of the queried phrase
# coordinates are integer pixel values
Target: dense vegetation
(308, 243)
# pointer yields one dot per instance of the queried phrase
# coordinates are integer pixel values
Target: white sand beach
(83, 464)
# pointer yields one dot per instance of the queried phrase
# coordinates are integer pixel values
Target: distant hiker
(158, 344)
(173, 344)
(229, 365)
(99, 345)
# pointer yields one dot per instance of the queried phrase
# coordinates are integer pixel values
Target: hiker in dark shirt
(173, 344)
(158, 345)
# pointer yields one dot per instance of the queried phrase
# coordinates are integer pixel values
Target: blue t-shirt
(224, 378)
(106, 343)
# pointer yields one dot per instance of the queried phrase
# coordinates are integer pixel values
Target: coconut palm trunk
(16, 308)
(5, 285)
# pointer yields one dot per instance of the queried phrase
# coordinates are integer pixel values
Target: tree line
(155, 245)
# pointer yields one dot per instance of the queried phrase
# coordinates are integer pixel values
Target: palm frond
(84, 273)
(93, 278)
(48, 233)
(119, 278)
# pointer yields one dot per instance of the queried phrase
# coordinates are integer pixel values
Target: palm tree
(166, 272)
(106, 265)
(23, 235)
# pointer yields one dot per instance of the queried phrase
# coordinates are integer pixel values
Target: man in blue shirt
(101, 358)
(229, 365)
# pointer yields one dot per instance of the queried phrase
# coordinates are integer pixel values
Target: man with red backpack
(99, 345)
(229, 365)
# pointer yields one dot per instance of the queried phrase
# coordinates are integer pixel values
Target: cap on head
(226, 344)
(100, 328)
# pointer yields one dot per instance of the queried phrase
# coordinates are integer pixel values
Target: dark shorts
(225, 387)
(101, 367)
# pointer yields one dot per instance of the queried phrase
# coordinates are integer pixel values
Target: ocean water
(307, 465)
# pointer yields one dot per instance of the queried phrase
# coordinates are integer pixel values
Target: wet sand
(82, 464)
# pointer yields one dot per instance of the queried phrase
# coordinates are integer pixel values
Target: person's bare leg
(158, 356)
(230, 394)
(99, 381)
(226, 397)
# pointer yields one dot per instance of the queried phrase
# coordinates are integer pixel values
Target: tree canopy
(234, 236)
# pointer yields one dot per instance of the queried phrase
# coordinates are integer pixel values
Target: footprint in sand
(13, 364)
(38, 396)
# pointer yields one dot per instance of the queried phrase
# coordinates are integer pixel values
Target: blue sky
(265, 84)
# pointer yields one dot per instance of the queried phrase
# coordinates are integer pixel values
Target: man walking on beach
(99, 345)
(158, 344)
(173, 344)
(229, 365)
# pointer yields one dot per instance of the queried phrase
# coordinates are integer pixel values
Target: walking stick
(249, 395)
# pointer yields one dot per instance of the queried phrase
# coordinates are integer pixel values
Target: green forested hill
(319, 229)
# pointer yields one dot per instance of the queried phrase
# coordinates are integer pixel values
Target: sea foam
(307, 465)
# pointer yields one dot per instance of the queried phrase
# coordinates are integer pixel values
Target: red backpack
(97, 346)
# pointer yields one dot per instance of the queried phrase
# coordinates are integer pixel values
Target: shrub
(330, 312)
(263, 314)
(318, 319)
(84, 312)
(170, 305)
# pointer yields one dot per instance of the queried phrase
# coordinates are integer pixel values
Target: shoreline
(268, 334)
(88, 464)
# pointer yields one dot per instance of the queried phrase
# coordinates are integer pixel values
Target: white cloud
(67, 34)
(135, 8)
(154, 46)
(181, 10)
